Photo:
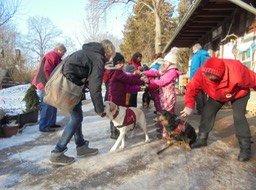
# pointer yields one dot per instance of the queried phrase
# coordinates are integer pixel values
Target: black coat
(87, 64)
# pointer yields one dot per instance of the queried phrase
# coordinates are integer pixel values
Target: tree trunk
(158, 33)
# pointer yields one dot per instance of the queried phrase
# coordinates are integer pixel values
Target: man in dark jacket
(48, 63)
(82, 66)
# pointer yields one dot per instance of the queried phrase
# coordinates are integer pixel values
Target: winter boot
(245, 149)
(114, 132)
(201, 140)
(84, 150)
(59, 158)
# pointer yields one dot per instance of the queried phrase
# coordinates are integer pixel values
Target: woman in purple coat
(118, 81)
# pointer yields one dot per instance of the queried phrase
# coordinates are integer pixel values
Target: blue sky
(67, 16)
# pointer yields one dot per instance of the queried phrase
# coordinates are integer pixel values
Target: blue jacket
(198, 60)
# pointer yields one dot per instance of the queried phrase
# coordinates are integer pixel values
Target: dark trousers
(133, 99)
(239, 110)
(201, 100)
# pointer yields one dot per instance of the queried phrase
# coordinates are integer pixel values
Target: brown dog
(179, 132)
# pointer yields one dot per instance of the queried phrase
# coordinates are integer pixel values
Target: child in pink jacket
(168, 74)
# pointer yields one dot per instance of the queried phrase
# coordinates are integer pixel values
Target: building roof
(203, 17)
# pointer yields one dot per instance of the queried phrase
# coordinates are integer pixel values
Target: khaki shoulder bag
(61, 92)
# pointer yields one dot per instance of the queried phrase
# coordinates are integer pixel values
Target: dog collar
(117, 112)
(181, 127)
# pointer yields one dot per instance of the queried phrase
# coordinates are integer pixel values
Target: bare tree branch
(41, 35)
(8, 8)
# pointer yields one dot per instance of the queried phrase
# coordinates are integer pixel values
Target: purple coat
(118, 81)
(132, 88)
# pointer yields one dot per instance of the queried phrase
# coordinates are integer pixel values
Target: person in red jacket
(223, 80)
(48, 62)
(136, 60)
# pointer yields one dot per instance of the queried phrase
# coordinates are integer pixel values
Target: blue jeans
(241, 125)
(73, 128)
(48, 113)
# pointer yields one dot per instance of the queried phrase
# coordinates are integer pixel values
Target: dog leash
(160, 151)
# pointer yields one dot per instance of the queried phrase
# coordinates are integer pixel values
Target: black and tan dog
(179, 131)
(146, 97)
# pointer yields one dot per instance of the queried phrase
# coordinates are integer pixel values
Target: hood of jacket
(94, 47)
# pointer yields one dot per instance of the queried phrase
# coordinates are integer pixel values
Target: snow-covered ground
(11, 99)
(24, 157)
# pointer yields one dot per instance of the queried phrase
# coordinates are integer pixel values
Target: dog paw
(188, 148)
(121, 147)
(112, 150)
(168, 142)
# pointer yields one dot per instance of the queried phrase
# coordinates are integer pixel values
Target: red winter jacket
(47, 64)
(137, 65)
(236, 81)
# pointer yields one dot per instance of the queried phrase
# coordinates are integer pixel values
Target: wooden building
(215, 23)
(225, 28)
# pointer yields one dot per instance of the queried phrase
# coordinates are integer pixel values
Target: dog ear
(112, 105)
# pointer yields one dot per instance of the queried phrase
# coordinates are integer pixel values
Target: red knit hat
(214, 66)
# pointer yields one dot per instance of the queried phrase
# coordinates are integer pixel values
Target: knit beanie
(129, 68)
(119, 58)
(214, 66)
(172, 56)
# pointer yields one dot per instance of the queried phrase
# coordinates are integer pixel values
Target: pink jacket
(169, 77)
(152, 74)
(166, 82)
